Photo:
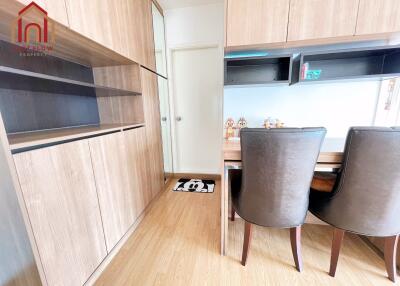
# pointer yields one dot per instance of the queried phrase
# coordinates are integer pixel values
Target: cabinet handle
(179, 118)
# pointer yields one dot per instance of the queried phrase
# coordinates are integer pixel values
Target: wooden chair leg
(246, 242)
(295, 241)
(338, 235)
(390, 256)
(232, 213)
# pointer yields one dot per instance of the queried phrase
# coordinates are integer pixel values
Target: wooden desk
(231, 155)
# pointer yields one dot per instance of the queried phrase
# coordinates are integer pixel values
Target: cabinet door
(139, 166)
(56, 9)
(60, 195)
(315, 19)
(115, 185)
(91, 18)
(251, 22)
(151, 107)
(378, 16)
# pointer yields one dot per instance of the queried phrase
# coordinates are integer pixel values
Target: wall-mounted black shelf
(265, 70)
(351, 64)
(17, 79)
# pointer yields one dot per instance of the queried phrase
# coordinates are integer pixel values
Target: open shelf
(17, 79)
(259, 70)
(352, 64)
(29, 140)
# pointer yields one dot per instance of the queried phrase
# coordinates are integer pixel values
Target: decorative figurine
(279, 124)
(242, 123)
(229, 128)
(267, 123)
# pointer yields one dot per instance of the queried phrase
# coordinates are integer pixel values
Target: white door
(197, 78)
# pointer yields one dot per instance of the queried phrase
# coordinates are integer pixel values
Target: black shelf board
(18, 79)
(265, 70)
(353, 64)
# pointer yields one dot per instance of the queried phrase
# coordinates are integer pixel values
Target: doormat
(194, 186)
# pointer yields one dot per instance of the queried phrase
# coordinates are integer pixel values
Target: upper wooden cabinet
(91, 18)
(122, 25)
(252, 22)
(59, 191)
(313, 19)
(378, 16)
(56, 9)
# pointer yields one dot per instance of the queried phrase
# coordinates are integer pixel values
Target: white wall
(196, 26)
(336, 105)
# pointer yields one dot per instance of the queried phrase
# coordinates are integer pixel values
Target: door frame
(172, 95)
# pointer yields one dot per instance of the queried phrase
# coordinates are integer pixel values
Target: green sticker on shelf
(313, 74)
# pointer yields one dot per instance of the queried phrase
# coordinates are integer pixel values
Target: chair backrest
(277, 169)
(366, 199)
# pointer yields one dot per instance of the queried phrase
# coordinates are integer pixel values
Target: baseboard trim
(197, 176)
(107, 260)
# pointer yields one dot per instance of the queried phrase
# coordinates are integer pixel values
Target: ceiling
(171, 4)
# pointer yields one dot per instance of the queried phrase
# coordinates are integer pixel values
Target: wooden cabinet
(252, 22)
(151, 108)
(378, 16)
(91, 18)
(59, 190)
(56, 9)
(139, 166)
(314, 19)
(122, 25)
(116, 187)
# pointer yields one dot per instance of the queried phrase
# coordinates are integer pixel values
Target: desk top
(231, 152)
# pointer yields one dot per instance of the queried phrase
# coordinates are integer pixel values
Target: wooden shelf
(353, 64)
(69, 44)
(17, 79)
(266, 70)
(28, 140)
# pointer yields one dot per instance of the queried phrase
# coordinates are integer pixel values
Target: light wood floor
(177, 243)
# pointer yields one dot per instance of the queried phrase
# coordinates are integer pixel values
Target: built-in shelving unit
(17, 79)
(263, 70)
(351, 64)
(27, 140)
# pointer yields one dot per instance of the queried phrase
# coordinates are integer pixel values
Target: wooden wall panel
(122, 77)
(115, 185)
(314, 19)
(378, 16)
(151, 107)
(60, 195)
(252, 22)
(121, 109)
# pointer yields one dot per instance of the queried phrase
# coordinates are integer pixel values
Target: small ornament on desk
(242, 123)
(229, 128)
(279, 124)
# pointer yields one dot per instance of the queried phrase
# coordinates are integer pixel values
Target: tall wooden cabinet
(378, 16)
(116, 187)
(151, 108)
(312, 19)
(60, 195)
(251, 22)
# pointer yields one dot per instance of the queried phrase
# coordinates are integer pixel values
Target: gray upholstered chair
(366, 196)
(273, 187)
